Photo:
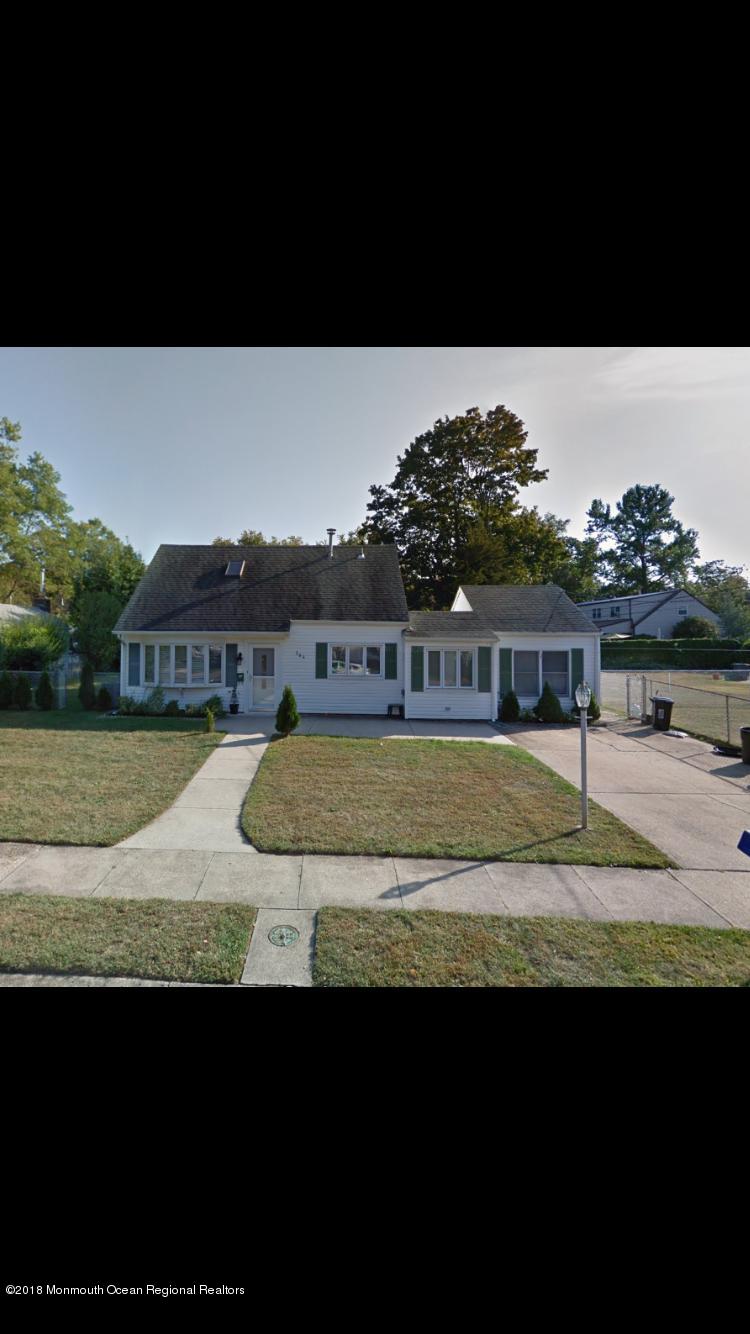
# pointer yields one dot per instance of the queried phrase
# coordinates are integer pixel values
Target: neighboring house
(654, 614)
(11, 613)
(333, 624)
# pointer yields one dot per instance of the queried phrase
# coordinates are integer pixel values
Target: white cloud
(675, 372)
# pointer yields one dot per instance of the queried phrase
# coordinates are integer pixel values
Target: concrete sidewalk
(305, 883)
(691, 803)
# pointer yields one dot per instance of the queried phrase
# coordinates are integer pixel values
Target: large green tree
(726, 591)
(642, 546)
(450, 505)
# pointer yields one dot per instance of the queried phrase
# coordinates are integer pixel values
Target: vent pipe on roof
(331, 534)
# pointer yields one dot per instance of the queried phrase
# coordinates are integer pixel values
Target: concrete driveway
(691, 803)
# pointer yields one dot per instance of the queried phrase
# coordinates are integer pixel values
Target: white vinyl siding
(450, 683)
(342, 691)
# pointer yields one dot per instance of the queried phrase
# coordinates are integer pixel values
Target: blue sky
(183, 444)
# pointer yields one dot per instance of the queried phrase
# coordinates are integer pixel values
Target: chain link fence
(66, 679)
(709, 711)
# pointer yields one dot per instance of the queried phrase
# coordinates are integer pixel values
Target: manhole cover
(283, 935)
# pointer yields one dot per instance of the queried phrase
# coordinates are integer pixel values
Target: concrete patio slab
(545, 891)
(270, 965)
(650, 896)
(12, 854)
(268, 882)
(74, 871)
(727, 893)
(452, 886)
(155, 874)
(349, 882)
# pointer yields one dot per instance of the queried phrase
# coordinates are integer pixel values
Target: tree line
(90, 572)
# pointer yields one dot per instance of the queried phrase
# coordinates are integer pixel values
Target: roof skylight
(234, 569)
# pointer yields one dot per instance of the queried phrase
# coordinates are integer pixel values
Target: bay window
(149, 667)
(214, 664)
(180, 664)
(198, 665)
(176, 664)
(165, 664)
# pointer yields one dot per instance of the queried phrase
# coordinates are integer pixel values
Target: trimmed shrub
(593, 711)
(22, 692)
(154, 704)
(215, 704)
(86, 691)
(210, 725)
(172, 709)
(510, 709)
(32, 645)
(695, 627)
(287, 714)
(126, 705)
(549, 709)
(6, 691)
(103, 700)
(44, 694)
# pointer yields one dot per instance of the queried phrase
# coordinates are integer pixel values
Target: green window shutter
(391, 662)
(417, 668)
(506, 670)
(231, 669)
(484, 671)
(576, 668)
(321, 661)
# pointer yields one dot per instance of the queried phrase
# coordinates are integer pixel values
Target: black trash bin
(745, 743)
(662, 712)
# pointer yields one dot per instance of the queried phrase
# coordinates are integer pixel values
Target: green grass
(357, 948)
(160, 938)
(75, 777)
(414, 798)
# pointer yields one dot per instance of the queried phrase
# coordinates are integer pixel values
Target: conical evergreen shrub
(6, 691)
(103, 700)
(22, 692)
(45, 695)
(549, 709)
(86, 691)
(287, 714)
(510, 709)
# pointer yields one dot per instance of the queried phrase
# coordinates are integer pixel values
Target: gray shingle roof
(528, 608)
(447, 625)
(185, 588)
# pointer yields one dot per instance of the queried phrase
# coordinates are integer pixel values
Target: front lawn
(357, 948)
(73, 777)
(159, 938)
(414, 798)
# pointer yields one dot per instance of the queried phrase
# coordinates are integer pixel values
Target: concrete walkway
(691, 803)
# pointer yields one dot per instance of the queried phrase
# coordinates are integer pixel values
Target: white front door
(264, 678)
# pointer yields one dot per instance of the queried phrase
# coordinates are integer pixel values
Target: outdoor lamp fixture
(583, 699)
(239, 658)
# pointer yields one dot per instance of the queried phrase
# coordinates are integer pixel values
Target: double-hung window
(555, 673)
(355, 660)
(449, 668)
(526, 672)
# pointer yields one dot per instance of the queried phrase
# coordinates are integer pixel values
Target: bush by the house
(549, 709)
(215, 704)
(172, 709)
(103, 700)
(287, 714)
(695, 627)
(32, 645)
(86, 690)
(593, 711)
(528, 716)
(44, 694)
(210, 726)
(6, 691)
(22, 692)
(510, 709)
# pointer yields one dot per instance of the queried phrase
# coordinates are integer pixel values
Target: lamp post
(583, 699)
